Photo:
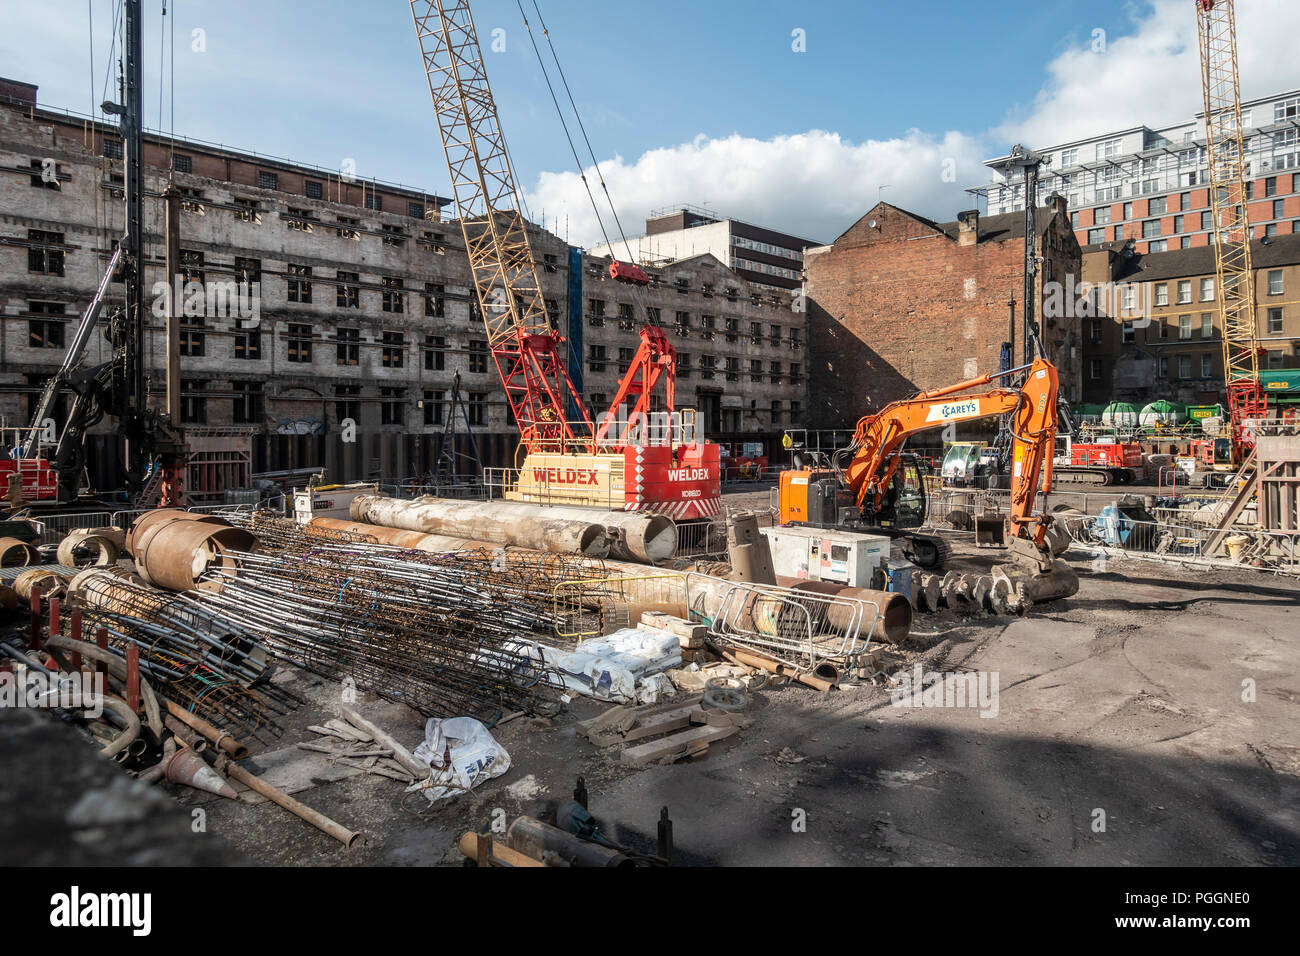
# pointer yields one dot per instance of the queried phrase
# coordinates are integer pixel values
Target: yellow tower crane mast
(1234, 276)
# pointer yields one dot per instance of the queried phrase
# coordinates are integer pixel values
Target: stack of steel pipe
(625, 536)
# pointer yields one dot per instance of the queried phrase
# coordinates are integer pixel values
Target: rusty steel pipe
(174, 549)
(818, 681)
(301, 810)
(222, 739)
(104, 549)
(514, 523)
(893, 622)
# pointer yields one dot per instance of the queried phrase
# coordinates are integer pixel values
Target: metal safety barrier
(798, 627)
(595, 606)
(1118, 535)
(55, 527)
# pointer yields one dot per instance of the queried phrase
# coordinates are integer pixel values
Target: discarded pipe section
(15, 553)
(633, 536)
(326, 528)
(91, 546)
(174, 549)
(893, 612)
(626, 536)
(52, 584)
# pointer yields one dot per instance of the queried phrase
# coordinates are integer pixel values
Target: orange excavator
(873, 485)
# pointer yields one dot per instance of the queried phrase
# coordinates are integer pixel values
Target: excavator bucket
(1023, 587)
(991, 531)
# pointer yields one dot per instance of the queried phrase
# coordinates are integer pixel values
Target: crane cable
(563, 123)
(636, 290)
(583, 128)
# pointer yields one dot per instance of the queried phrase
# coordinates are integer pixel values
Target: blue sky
(701, 102)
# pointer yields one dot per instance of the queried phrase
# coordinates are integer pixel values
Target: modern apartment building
(364, 307)
(757, 254)
(1148, 184)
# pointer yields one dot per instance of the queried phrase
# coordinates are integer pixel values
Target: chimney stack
(968, 227)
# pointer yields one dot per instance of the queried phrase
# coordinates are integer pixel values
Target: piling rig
(152, 444)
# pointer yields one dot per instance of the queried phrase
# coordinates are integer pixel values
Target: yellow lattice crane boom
(1234, 276)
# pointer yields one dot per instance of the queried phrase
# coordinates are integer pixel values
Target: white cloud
(1151, 76)
(817, 183)
(812, 184)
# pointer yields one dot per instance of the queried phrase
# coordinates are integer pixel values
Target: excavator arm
(879, 438)
(872, 471)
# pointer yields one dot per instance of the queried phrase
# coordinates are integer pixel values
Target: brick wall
(902, 306)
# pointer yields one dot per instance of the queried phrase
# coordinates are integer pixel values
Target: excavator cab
(905, 504)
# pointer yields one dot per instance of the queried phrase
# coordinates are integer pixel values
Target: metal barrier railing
(798, 627)
(595, 606)
(54, 527)
(700, 539)
(1275, 551)
(469, 490)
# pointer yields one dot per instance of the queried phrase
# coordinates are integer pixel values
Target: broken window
(193, 340)
(434, 302)
(194, 404)
(247, 210)
(433, 402)
(349, 346)
(392, 406)
(247, 408)
(299, 283)
(478, 355)
(248, 344)
(392, 299)
(45, 334)
(435, 353)
(347, 402)
(45, 252)
(298, 342)
(349, 290)
(394, 349)
(478, 408)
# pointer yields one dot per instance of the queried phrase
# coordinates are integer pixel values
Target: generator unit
(328, 501)
(839, 557)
